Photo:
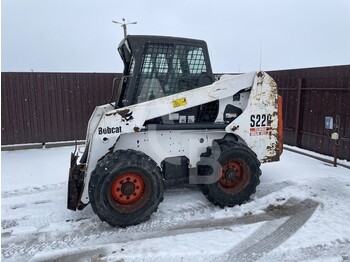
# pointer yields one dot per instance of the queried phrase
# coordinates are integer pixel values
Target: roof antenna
(123, 24)
(261, 45)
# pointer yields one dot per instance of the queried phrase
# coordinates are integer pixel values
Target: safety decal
(179, 102)
(260, 131)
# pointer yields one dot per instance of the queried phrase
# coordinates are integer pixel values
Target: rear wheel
(238, 177)
(125, 188)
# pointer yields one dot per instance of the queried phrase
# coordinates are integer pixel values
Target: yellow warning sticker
(179, 102)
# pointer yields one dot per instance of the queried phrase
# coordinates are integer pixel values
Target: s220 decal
(260, 124)
(260, 120)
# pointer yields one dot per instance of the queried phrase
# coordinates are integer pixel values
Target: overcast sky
(78, 36)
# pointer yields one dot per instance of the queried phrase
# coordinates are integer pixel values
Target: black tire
(125, 188)
(239, 175)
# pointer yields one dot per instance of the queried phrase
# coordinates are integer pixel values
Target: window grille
(168, 69)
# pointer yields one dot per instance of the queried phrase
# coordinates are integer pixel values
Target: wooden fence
(50, 107)
(309, 96)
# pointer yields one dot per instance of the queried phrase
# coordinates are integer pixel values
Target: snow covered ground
(300, 212)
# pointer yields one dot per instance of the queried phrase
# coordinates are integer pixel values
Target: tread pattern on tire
(219, 148)
(105, 170)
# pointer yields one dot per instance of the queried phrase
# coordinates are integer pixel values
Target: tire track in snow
(85, 240)
(272, 234)
(90, 228)
(337, 248)
(32, 190)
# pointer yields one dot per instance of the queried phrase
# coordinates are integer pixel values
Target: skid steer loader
(173, 123)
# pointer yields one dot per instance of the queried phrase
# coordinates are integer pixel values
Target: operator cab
(158, 66)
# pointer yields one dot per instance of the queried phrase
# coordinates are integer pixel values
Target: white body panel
(170, 143)
(120, 128)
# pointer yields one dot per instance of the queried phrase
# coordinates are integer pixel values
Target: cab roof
(140, 40)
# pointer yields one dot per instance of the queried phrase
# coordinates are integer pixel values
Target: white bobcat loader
(171, 124)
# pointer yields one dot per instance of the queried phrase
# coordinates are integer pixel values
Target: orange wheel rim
(234, 177)
(127, 188)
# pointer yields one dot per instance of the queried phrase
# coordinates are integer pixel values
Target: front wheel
(126, 188)
(238, 176)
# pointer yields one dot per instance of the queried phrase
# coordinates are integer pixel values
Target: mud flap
(75, 184)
